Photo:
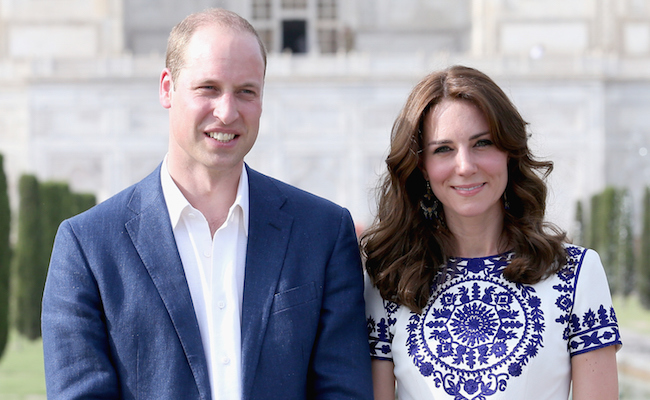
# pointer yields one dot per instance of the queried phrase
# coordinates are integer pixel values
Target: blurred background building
(79, 87)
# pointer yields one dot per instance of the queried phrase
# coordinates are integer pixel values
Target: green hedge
(43, 206)
(644, 253)
(5, 258)
(610, 234)
(28, 269)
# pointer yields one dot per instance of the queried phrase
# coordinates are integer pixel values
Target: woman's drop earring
(429, 204)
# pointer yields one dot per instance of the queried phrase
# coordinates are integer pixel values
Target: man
(207, 279)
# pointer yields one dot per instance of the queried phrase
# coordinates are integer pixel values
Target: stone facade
(78, 97)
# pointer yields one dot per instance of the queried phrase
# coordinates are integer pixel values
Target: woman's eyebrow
(447, 141)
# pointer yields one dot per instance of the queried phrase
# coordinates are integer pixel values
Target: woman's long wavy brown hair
(404, 251)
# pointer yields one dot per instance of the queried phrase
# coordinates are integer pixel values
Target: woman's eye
(483, 143)
(442, 149)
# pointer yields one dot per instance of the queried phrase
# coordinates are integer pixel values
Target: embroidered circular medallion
(477, 331)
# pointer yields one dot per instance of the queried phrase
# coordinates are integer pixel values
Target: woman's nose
(465, 163)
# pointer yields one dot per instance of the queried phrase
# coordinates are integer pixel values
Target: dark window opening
(294, 36)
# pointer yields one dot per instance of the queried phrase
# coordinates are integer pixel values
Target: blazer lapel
(152, 236)
(268, 237)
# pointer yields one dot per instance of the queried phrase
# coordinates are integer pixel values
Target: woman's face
(467, 173)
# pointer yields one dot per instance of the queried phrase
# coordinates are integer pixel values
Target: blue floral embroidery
(593, 329)
(480, 331)
(379, 334)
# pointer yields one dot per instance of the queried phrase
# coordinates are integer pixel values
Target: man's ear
(165, 88)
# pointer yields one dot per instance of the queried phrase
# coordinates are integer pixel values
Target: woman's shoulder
(578, 257)
(582, 269)
(374, 300)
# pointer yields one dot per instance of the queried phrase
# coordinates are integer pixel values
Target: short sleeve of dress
(592, 323)
(378, 321)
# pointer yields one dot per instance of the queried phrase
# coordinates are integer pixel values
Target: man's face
(216, 102)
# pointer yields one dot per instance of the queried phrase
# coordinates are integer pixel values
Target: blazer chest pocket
(294, 297)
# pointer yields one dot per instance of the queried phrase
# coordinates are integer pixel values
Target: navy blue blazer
(118, 319)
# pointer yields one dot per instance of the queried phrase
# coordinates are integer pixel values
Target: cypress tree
(5, 257)
(579, 238)
(604, 233)
(29, 278)
(625, 250)
(42, 209)
(55, 199)
(59, 203)
(82, 202)
(592, 237)
(644, 255)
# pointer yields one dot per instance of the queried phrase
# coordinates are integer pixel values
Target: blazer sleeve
(75, 340)
(341, 362)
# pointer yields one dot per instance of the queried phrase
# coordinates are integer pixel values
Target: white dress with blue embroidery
(481, 337)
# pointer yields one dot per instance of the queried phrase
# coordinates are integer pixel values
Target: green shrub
(28, 268)
(5, 258)
(610, 234)
(643, 268)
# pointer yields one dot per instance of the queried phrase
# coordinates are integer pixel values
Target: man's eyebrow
(251, 84)
(215, 82)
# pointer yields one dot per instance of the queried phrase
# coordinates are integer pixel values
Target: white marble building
(78, 87)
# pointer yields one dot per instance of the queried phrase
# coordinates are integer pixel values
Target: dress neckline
(500, 255)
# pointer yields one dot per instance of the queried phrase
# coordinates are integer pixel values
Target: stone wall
(83, 106)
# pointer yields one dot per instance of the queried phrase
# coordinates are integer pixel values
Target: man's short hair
(182, 33)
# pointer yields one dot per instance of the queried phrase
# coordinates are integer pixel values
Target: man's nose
(225, 108)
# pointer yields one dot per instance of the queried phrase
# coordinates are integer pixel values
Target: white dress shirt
(214, 269)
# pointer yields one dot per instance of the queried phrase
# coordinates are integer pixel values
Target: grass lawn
(632, 315)
(21, 370)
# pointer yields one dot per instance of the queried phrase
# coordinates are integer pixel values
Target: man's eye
(207, 88)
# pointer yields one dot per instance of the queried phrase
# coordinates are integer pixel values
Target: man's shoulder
(126, 203)
(292, 195)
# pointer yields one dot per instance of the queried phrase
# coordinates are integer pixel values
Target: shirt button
(221, 304)
(191, 215)
(207, 254)
(225, 360)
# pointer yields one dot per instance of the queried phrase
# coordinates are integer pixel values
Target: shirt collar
(176, 202)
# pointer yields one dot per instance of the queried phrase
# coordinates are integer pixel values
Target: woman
(471, 295)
